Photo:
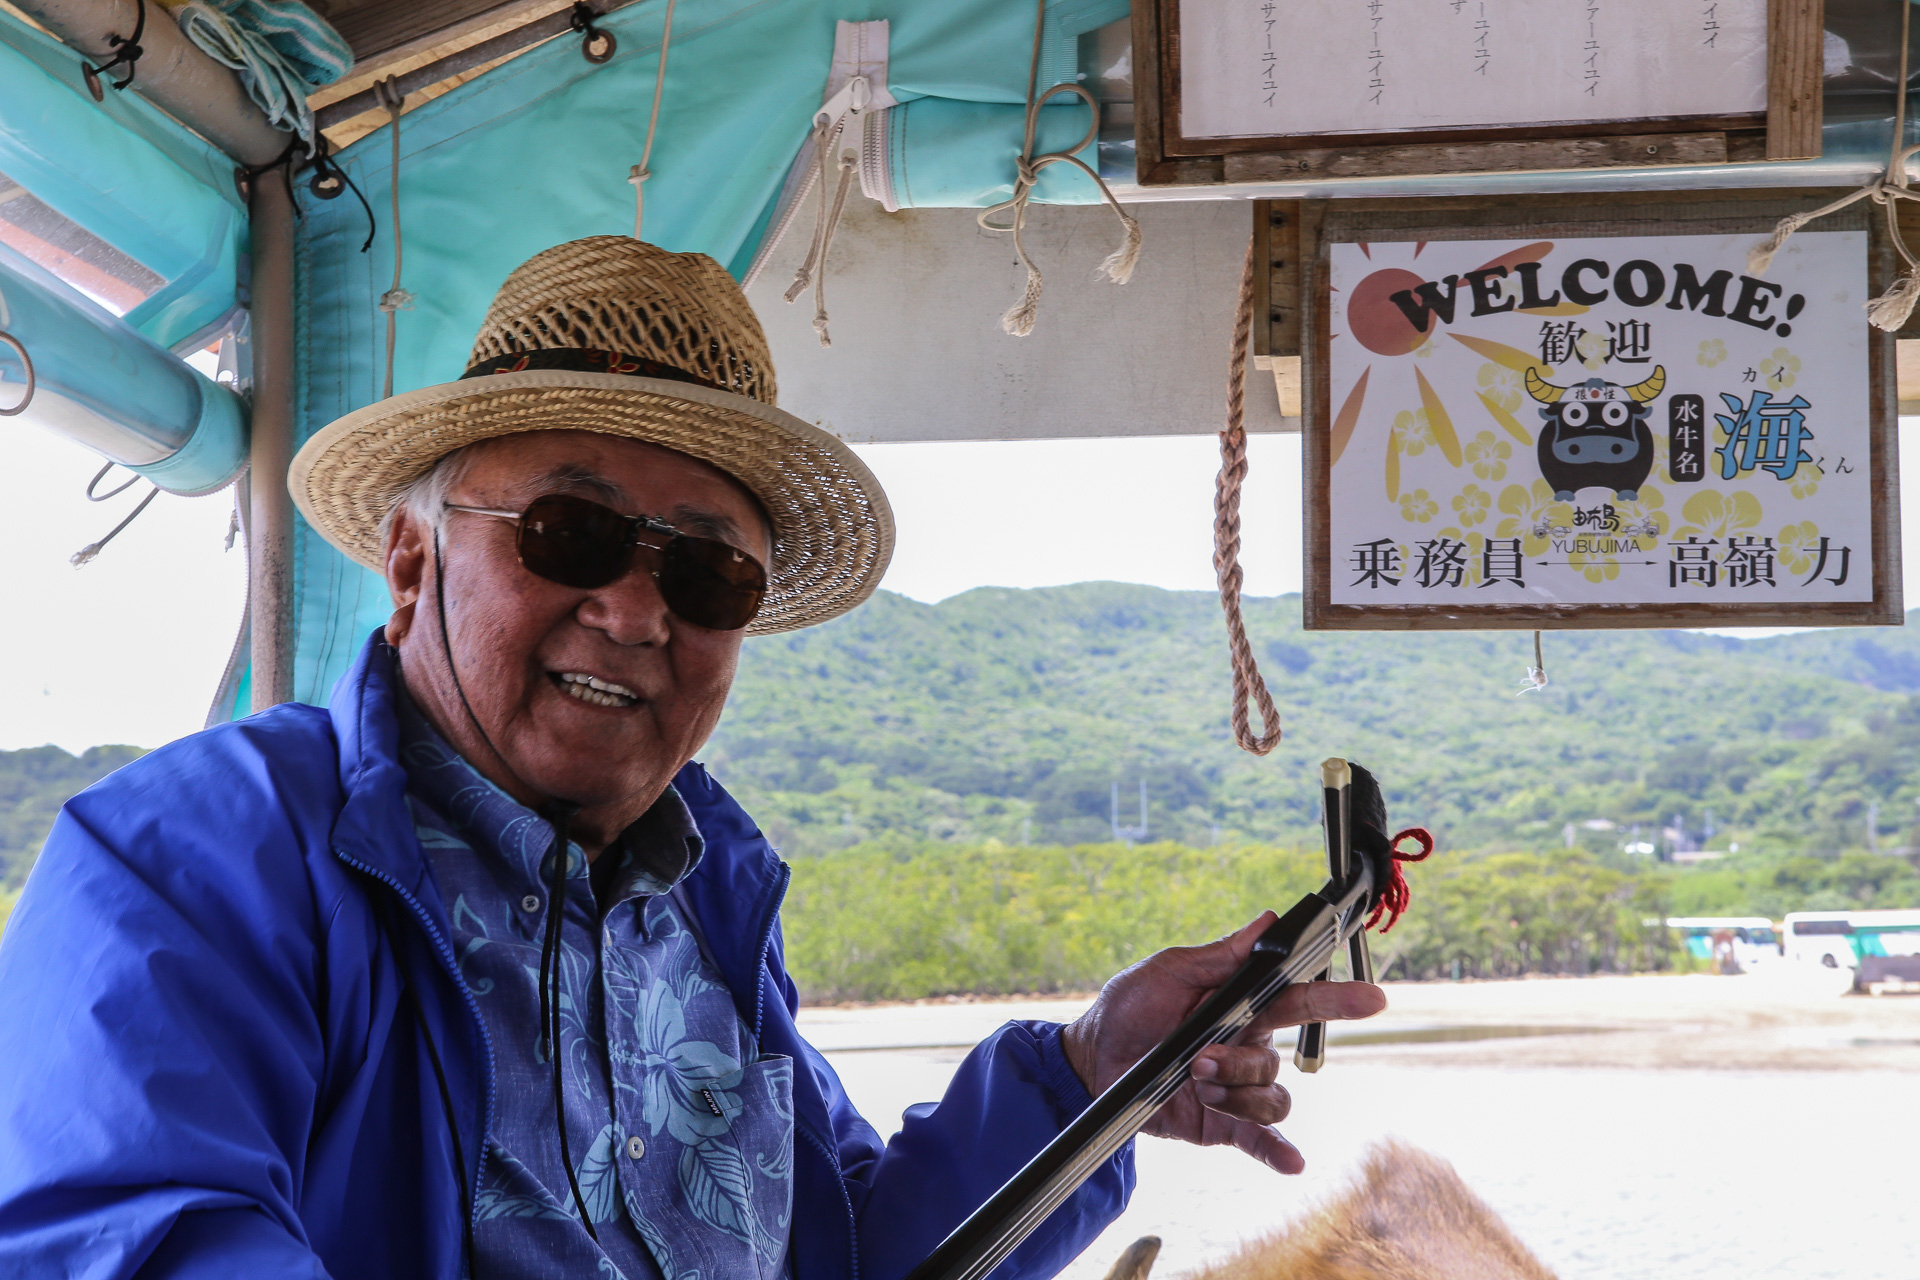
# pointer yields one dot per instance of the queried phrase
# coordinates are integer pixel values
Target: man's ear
(406, 560)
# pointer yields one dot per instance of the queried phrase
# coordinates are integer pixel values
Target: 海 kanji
(1763, 434)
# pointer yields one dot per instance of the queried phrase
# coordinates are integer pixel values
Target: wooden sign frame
(1321, 223)
(1789, 130)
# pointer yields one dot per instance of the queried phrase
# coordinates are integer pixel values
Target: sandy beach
(1661, 1127)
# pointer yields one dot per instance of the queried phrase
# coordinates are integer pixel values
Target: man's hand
(1232, 1096)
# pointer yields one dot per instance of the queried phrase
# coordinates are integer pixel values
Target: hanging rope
(828, 129)
(1537, 673)
(1891, 309)
(86, 554)
(387, 92)
(1247, 683)
(639, 174)
(1119, 264)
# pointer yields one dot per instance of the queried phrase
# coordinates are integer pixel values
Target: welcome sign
(1601, 429)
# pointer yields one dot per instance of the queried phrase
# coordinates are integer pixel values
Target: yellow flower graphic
(1411, 432)
(1472, 505)
(1489, 453)
(1500, 385)
(1596, 565)
(1418, 505)
(1796, 545)
(1644, 520)
(1717, 515)
(1532, 516)
(1805, 482)
(1779, 370)
(1712, 352)
(1425, 349)
(1592, 349)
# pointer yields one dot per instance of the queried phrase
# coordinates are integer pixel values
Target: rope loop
(1397, 895)
(1889, 311)
(1117, 266)
(1248, 685)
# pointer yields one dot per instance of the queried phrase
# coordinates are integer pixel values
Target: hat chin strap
(559, 815)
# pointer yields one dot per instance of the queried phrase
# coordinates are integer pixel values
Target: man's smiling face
(594, 696)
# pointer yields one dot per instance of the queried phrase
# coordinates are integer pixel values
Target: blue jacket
(209, 1066)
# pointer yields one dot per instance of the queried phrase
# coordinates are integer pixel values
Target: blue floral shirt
(681, 1133)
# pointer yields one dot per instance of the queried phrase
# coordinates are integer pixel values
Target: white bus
(1842, 939)
(1735, 944)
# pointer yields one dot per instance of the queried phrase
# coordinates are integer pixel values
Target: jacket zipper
(766, 944)
(452, 968)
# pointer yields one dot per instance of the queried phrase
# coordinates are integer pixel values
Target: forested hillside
(1012, 715)
(942, 776)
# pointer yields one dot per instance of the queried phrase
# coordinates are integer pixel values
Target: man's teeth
(601, 693)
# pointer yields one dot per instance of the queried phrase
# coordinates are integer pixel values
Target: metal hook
(26, 360)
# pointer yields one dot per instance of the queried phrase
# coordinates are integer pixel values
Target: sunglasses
(579, 543)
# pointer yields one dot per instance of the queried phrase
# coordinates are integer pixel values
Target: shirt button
(530, 904)
(635, 1147)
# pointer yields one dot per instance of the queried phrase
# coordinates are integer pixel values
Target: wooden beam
(1624, 152)
(1795, 62)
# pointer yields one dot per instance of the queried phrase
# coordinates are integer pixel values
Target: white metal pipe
(172, 72)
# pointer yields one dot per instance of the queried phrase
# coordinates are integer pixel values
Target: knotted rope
(1891, 309)
(1536, 678)
(387, 92)
(1119, 264)
(828, 130)
(639, 174)
(1397, 895)
(1247, 683)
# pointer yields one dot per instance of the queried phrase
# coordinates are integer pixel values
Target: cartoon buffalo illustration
(1596, 434)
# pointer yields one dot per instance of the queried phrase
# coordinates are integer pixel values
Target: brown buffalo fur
(1407, 1216)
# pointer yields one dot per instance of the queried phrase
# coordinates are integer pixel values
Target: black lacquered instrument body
(1297, 947)
(1294, 948)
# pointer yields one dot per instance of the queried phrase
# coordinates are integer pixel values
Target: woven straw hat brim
(833, 529)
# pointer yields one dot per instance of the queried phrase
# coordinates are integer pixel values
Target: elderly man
(473, 973)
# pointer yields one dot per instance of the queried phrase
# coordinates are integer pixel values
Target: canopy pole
(270, 538)
(172, 72)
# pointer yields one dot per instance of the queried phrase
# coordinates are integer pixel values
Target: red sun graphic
(1374, 320)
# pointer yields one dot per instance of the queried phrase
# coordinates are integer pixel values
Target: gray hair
(425, 496)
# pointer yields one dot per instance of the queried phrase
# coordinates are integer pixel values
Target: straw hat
(615, 335)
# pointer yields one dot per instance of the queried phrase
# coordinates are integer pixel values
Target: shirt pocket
(762, 1131)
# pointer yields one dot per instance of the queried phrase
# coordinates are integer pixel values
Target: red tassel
(1395, 898)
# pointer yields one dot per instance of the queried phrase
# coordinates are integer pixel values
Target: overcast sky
(129, 647)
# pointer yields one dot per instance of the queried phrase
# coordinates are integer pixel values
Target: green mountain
(1015, 715)
(33, 785)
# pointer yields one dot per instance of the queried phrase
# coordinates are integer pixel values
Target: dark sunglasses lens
(575, 542)
(711, 584)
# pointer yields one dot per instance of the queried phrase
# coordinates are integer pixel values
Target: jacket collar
(734, 893)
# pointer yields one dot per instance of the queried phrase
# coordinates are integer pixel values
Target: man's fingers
(1321, 1002)
(1238, 1065)
(1213, 963)
(1257, 1103)
(1269, 1148)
